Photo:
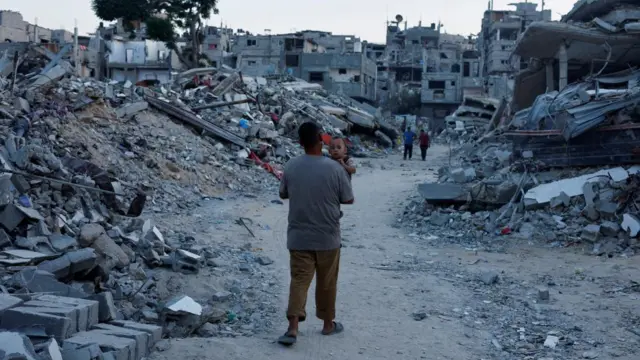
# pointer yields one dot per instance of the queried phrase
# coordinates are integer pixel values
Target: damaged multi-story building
(496, 41)
(13, 28)
(439, 67)
(338, 62)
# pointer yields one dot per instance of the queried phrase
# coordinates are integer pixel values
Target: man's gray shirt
(315, 186)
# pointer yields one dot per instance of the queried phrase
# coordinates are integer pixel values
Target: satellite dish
(399, 18)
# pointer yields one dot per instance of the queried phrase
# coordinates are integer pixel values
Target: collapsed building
(557, 163)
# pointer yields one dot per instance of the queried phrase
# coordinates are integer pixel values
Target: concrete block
(24, 317)
(107, 309)
(591, 233)
(85, 352)
(142, 339)
(609, 228)
(16, 346)
(38, 281)
(88, 310)
(131, 109)
(70, 263)
(154, 331)
(122, 348)
(11, 217)
(44, 307)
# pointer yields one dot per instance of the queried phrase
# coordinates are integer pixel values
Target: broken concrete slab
(90, 233)
(630, 224)
(542, 194)
(13, 215)
(38, 281)
(14, 345)
(128, 110)
(7, 302)
(443, 193)
(184, 304)
(609, 228)
(62, 242)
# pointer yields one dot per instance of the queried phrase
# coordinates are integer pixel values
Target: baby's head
(337, 148)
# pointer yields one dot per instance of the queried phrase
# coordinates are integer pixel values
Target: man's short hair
(308, 134)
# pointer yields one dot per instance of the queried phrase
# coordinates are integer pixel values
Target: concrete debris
(184, 304)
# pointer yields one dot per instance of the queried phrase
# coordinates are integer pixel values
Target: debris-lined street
(403, 295)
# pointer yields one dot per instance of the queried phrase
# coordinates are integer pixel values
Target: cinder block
(55, 309)
(22, 317)
(85, 352)
(142, 339)
(88, 310)
(122, 348)
(154, 331)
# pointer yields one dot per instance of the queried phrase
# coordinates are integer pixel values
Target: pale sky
(362, 18)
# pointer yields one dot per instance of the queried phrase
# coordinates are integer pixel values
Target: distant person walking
(316, 186)
(409, 137)
(424, 144)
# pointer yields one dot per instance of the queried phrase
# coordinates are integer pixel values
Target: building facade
(497, 39)
(139, 60)
(13, 28)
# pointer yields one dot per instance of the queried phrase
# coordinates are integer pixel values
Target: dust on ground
(403, 296)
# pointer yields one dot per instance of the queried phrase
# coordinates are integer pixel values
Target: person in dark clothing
(409, 137)
(424, 144)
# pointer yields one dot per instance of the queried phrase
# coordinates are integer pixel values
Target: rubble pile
(84, 164)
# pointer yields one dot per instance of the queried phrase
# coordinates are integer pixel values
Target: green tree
(177, 14)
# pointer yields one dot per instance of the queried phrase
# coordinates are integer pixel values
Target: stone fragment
(7, 302)
(184, 304)
(489, 278)
(84, 352)
(551, 341)
(154, 331)
(38, 281)
(129, 110)
(142, 339)
(110, 254)
(90, 233)
(264, 260)
(543, 294)
(5, 239)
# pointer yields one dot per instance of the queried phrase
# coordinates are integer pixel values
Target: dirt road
(401, 299)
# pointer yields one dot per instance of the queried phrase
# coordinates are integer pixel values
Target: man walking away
(316, 186)
(409, 137)
(424, 144)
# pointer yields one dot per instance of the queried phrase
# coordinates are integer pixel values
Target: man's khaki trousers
(304, 265)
